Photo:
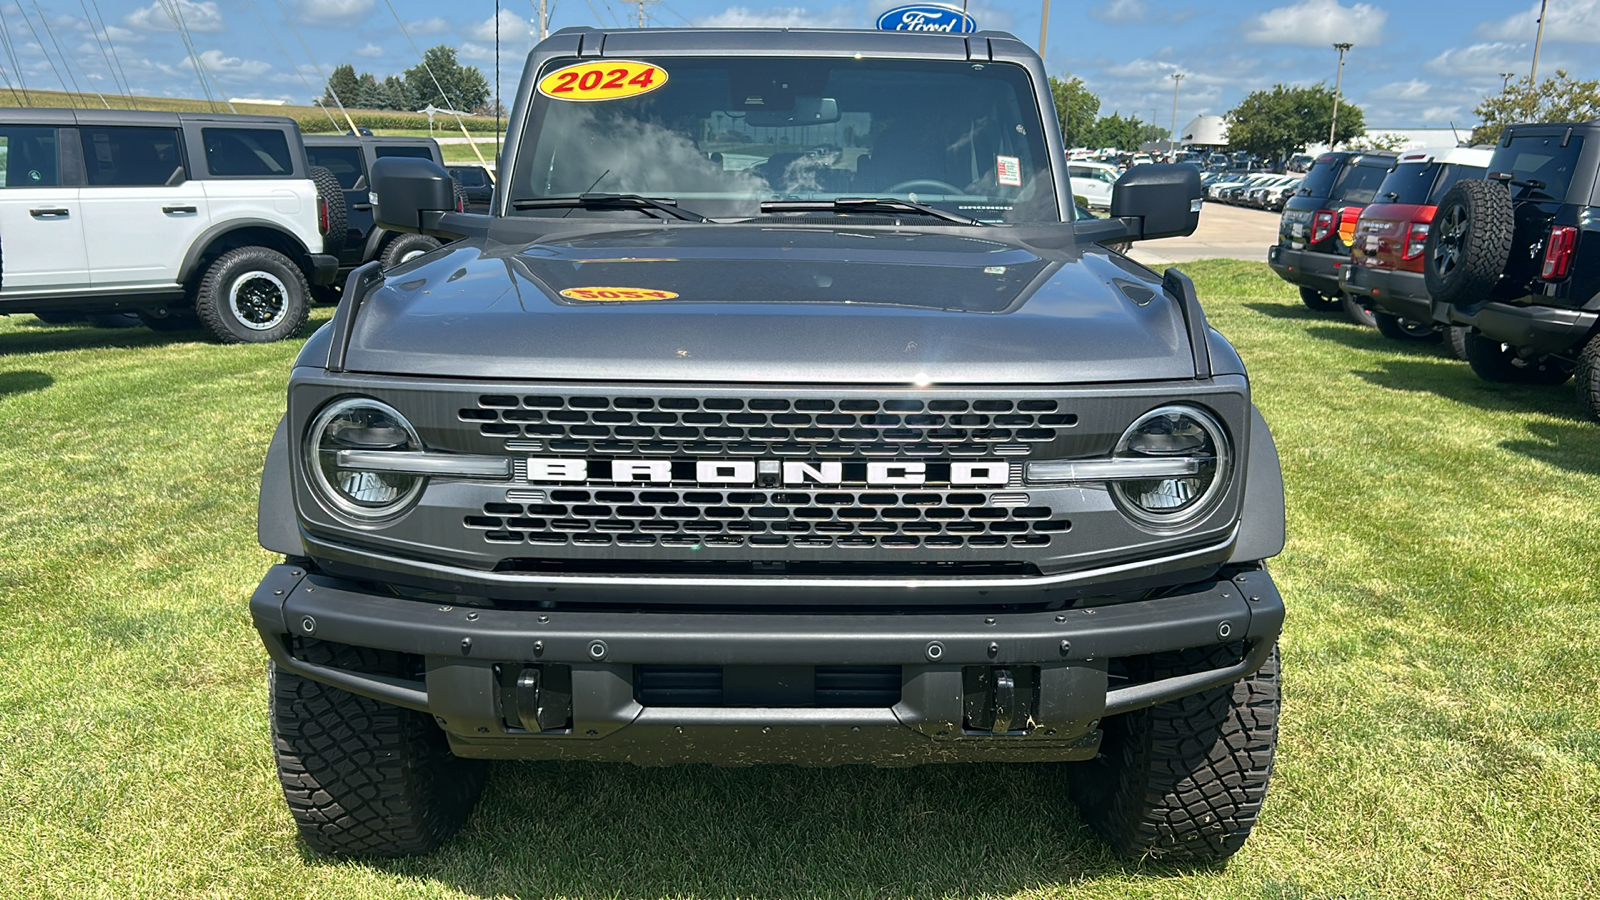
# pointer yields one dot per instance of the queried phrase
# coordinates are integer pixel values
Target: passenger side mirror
(1164, 199)
(412, 195)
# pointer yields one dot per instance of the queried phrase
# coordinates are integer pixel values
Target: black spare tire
(1468, 243)
(335, 226)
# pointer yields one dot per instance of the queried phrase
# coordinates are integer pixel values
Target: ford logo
(931, 17)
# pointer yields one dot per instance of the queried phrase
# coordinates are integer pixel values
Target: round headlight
(360, 424)
(1174, 433)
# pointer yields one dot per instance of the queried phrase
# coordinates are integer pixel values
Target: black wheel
(1588, 383)
(253, 295)
(1469, 243)
(59, 317)
(1456, 337)
(1357, 309)
(1184, 781)
(1397, 329)
(406, 247)
(333, 219)
(1317, 302)
(1494, 361)
(364, 778)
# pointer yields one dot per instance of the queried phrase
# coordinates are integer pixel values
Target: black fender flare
(191, 259)
(1262, 526)
(277, 527)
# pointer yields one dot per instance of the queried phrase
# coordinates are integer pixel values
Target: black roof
(792, 41)
(43, 116)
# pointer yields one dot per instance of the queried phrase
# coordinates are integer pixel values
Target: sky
(1424, 63)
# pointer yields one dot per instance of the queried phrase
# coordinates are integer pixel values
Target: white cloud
(370, 51)
(233, 68)
(435, 25)
(1577, 21)
(783, 17)
(335, 12)
(1481, 59)
(197, 17)
(1120, 12)
(1317, 23)
(512, 27)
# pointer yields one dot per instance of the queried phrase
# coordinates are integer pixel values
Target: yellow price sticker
(610, 79)
(616, 294)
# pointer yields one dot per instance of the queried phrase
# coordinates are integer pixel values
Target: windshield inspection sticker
(1010, 170)
(611, 79)
(616, 294)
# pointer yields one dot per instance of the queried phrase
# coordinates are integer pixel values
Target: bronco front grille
(770, 426)
(767, 519)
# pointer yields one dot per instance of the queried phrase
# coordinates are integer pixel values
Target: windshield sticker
(1010, 170)
(612, 79)
(616, 294)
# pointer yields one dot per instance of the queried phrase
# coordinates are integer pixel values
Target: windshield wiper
(611, 201)
(866, 205)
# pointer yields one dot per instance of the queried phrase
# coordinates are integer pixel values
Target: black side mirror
(1163, 198)
(411, 195)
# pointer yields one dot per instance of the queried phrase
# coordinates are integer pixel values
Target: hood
(711, 303)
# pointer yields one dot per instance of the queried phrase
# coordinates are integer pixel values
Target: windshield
(718, 136)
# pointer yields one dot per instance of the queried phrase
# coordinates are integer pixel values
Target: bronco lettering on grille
(770, 473)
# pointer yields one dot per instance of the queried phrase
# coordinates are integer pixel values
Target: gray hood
(772, 304)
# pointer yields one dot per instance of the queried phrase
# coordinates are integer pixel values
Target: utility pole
(1044, 26)
(544, 18)
(1338, 83)
(641, 19)
(1505, 81)
(1172, 139)
(1533, 76)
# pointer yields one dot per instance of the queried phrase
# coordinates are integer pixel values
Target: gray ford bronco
(779, 411)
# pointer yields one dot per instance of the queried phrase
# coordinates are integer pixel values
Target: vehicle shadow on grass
(1456, 382)
(37, 337)
(1357, 338)
(23, 381)
(1288, 310)
(596, 830)
(1573, 447)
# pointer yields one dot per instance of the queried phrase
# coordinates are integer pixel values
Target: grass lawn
(1441, 727)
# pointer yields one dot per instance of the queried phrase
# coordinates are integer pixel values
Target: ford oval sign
(931, 17)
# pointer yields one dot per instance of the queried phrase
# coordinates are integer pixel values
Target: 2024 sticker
(616, 294)
(610, 79)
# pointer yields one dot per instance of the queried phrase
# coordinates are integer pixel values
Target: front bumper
(1322, 272)
(324, 268)
(1403, 294)
(474, 657)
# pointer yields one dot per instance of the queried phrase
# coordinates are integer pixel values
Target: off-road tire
(332, 195)
(1184, 781)
(1469, 243)
(460, 194)
(361, 777)
(59, 317)
(1588, 378)
(272, 292)
(1397, 329)
(406, 246)
(1316, 302)
(1493, 361)
(1456, 337)
(1357, 310)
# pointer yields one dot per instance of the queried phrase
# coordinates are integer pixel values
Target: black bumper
(324, 268)
(1403, 294)
(1322, 272)
(474, 658)
(1543, 329)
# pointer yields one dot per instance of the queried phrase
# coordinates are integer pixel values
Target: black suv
(1516, 258)
(475, 183)
(350, 157)
(1319, 224)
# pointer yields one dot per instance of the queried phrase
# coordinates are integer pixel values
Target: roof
(598, 42)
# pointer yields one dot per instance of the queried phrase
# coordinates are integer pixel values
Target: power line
(109, 43)
(435, 79)
(327, 80)
(11, 54)
(194, 55)
(292, 64)
(668, 8)
(40, 41)
(103, 55)
(13, 90)
(198, 60)
(66, 63)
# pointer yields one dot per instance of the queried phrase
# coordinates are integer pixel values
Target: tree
(1558, 99)
(343, 86)
(400, 94)
(1284, 120)
(370, 94)
(465, 88)
(1076, 108)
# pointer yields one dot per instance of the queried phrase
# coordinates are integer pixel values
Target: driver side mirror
(411, 195)
(1164, 200)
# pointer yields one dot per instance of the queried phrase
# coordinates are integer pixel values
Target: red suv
(1383, 284)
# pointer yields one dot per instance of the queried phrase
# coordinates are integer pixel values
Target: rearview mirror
(1163, 198)
(807, 111)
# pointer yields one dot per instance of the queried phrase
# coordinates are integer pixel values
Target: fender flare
(277, 527)
(1262, 525)
(191, 259)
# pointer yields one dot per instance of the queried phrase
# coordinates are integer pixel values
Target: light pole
(1172, 139)
(1505, 81)
(1044, 26)
(1338, 83)
(1538, 38)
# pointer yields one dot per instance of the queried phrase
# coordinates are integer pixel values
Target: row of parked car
(1496, 249)
(179, 220)
(1258, 190)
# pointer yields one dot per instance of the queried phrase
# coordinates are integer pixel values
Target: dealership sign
(933, 17)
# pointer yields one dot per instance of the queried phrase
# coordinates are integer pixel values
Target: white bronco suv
(174, 216)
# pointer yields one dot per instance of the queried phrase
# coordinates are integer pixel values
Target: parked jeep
(770, 418)
(1319, 224)
(1516, 258)
(180, 217)
(1384, 285)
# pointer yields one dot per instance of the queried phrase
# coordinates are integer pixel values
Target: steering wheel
(915, 183)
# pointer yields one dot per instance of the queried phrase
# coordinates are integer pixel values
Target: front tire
(253, 295)
(1316, 302)
(1397, 329)
(1184, 781)
(1493, 361)
(361, 777)
(405, 248)
(1589, 378)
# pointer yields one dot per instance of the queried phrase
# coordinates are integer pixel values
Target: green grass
(1441, 726)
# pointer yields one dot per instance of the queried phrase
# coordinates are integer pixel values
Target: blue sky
(1424, 63)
